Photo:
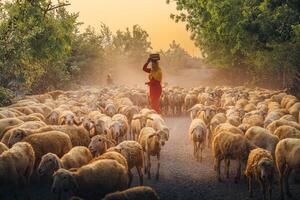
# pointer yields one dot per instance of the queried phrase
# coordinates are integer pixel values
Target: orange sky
(152, 15)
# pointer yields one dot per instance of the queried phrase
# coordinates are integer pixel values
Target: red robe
(155, 90)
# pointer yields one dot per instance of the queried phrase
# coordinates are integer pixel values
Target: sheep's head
(64, 183)
(16, 136)
(53, 117)
(98, 145)
(164, 135)
(266, 168)
(86, 123)
(49, 164)
(110, 110)
(115, 129)
(99, 126)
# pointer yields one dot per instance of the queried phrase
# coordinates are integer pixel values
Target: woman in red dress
(155, 78)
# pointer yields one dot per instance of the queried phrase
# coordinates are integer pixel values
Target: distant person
(155, 77)
(109, 79)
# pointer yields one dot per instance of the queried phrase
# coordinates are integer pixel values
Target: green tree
(35, 42)
(256, 36)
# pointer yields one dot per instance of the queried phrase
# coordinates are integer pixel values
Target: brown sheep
(227, 146)
(133, 152)
(140, 192)
(7, 122)
(15, 135)
(287, 159)
(113, 156)
(91, 179)
(55, 142)
(16, 164)
(3, 148)
(285, 131)
(260, 165)
(275, 124)
(150, 141)
(75, 158)
(100, 143)
(79, 136)
(262, 138)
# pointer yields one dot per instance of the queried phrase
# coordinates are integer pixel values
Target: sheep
(197, 134)
(100, 143)
(287, 159)
(214, 122)
(262, 138)
(294, 110)
(254, 119)
(113, 156)
(110, 110)
(4, 123)
(289, 118)
(15, 134)
(194, 110)
(101, 124)
(55, 142)
(91, 179)
(228, 146)
(157, 123)
(16, 164)
(140, 192)
(227, 127)
(150, 141)
(119, 127)
(277, 123)
(3, 148)
(260, 165)
(135, 126)
(75, 158)
(133, 152)
(67, 117)
(78, 135)
(285, 131)
(272, 116)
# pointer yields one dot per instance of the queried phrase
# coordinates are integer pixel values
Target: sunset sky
(152, 15)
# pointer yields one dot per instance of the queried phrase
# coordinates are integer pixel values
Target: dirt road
(182, 178)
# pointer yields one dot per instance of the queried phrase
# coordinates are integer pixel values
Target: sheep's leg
(201, 149)
(195, 149)
(238, 172)
(139, 170)
(218, 166)
(263, 188)
(286, 184)
(250, 186)
(281, 180)
(130, 175)
(270, 188)
(208, 138)
(158, 165)
(148, 166)
(145, 164)
(227, 166)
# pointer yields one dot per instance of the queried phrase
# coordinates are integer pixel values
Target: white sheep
(197, 134)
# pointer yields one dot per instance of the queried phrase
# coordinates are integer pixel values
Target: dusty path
(182, 178)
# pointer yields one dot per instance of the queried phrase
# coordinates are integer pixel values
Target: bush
(5, 96)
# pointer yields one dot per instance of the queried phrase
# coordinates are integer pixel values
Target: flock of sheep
(257, 128)
(86, 142)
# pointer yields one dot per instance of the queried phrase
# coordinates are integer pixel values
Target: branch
(57, 6)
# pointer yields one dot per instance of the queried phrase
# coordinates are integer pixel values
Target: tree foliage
(35, 42)
(256, 36)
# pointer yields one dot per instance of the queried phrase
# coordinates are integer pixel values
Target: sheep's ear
(63, 120)
(77, 123)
